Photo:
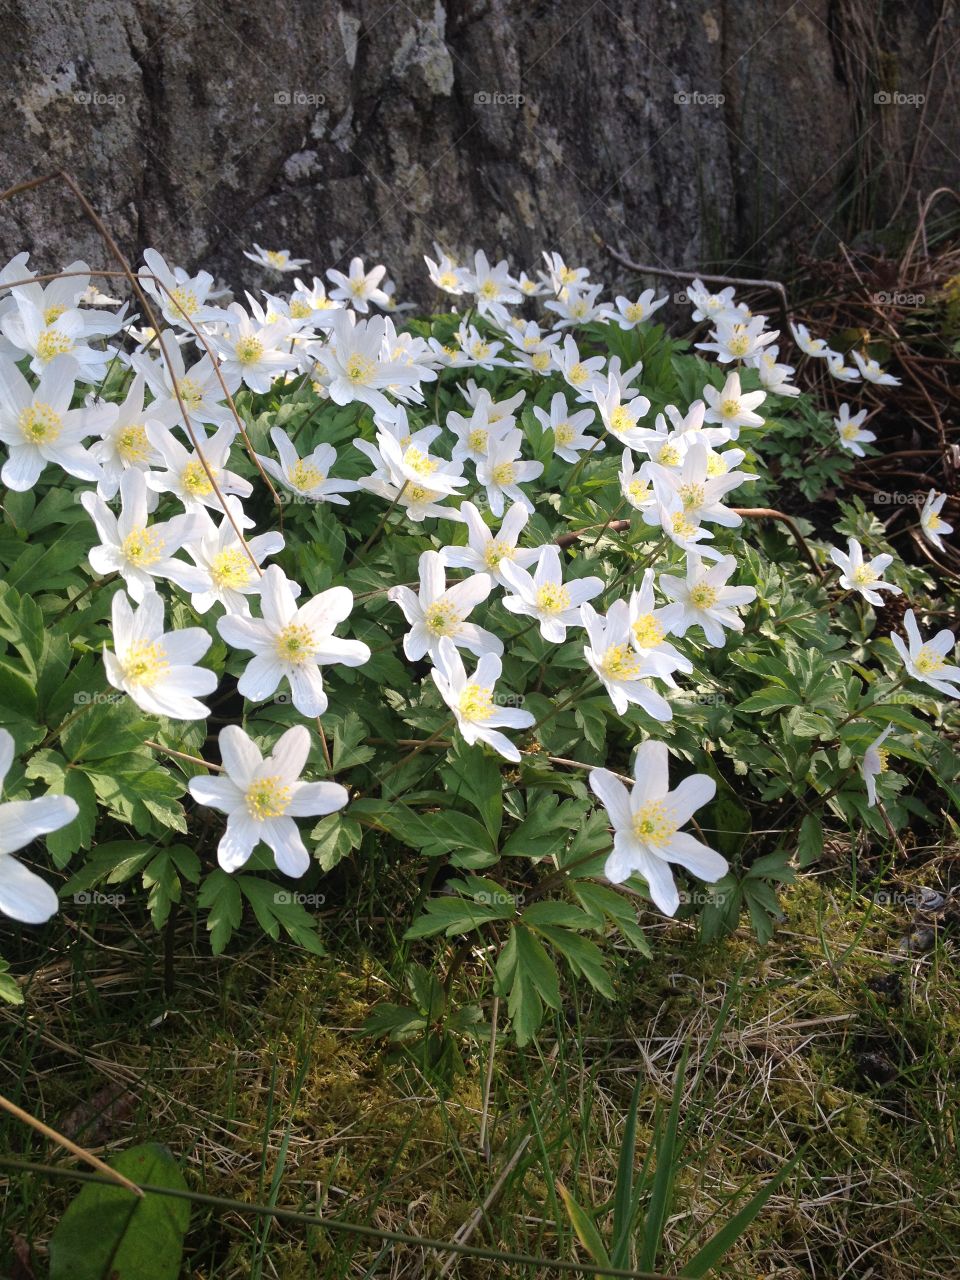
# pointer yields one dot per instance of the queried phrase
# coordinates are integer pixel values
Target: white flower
(357, 368)
(502, 471)
(360, 287)
(252, 353)
(646, 824)
(707, 305)
(38, 426)
(474, 349)
(309, 476)
(391, 481)
(774, 376)
(733, 407)
(438, 611)
(474, 702)
(485, 550)
(23, 895)
(569, 434)
(25, 327)
(132, 547)
(649, 627)
(629, 314)
(474, 433)
(123, 442)
(310, 303)
(809, 346)
(635, 486)
(261, 797)
(707, 602)
(874, 763)
(620, 416)
(199, 387)
(156, 668)
(930, 521)
(225, 573)
(872, 372)
(291, 643)
(545, 596)
(851, 437)
(183, 302)
(735, 340)
(491, 285)
(577, 306)
(446, 273)
(580, 374)
(621, 667)
(560, 276)
(926, 660)
(278, 260)
(185, 475)
(839, 370)
(860, 575)
(701, 495)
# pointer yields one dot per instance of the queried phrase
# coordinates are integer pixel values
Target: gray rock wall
(689, 133)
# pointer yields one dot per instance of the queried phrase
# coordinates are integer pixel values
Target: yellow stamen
(267, 798)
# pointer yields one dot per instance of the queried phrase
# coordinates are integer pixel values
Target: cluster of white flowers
(678, 471)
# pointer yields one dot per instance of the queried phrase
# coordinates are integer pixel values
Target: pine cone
(891, 613)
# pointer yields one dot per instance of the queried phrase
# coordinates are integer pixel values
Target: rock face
(688, 133)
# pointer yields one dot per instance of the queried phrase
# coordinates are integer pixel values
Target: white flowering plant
(491, 615)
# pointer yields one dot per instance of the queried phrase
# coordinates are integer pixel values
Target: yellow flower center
(295, 644)
(620, 663)
(480, 349)
(652, 824)
(419, 462)
(448, 280)
(729, 408)
(360, 368)
(883, 755)
(716, 465)
(195, 480)
(142, 547)
(300, 310)
(231, 568)
(144, 663)
(932, 521)
(415, 493)
(691, 495)
(277, 258)
(504, 473)
(132, 443)
(477, 440)
(191, 392)
(248, 350)
(647, 632)
(739, 344)
(849, 431)
(496, 551)
(53, 314)
(184, 301)
(633, 312)
(303, 476)
(703, 596)
(541, 361)
(669, 455)
(488, 289)
(553, 597)
(681, 526)
(567, 275)
(39, 424)
(267, 798)
(441, 618)
(621, 419)
(638, 492)
(578, 374)
(864, 576)
(927, 662)
(476, 702)
(563, 433)
(53, 343)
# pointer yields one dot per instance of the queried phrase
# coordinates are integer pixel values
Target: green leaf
(9, 987)
(810, 840)
(585, 1227)
(108, 1233)
(221, 895)
(719, 1244)
(348, 740)
(529, 977)
(277, 908)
